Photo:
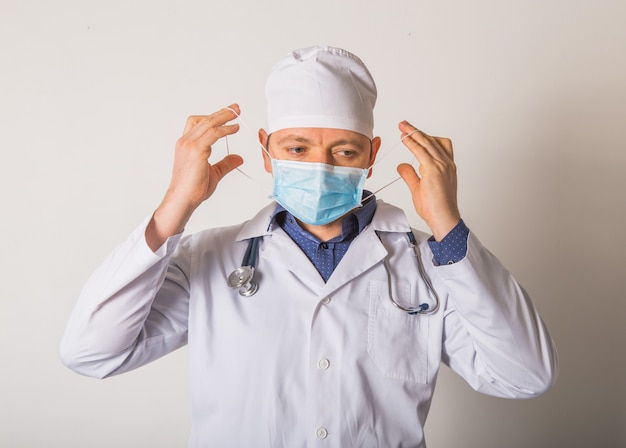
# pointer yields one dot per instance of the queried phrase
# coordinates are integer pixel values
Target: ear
(375, 147)
(263, 140)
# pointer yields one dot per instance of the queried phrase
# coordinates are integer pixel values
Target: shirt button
(321, 433)
(324, 245)
(323, 364)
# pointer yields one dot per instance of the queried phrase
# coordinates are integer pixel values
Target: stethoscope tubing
(243, 276)
(423, 308)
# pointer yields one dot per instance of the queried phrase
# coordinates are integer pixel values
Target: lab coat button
(323, 364)
(321, 433)
(326, 300)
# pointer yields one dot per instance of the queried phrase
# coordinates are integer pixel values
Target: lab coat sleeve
(493, 335)
(132, 310)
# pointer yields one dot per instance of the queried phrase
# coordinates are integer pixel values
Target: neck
(324, 232)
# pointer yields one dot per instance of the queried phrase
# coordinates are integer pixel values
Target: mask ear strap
(380, 189)
(228, 149)
(392, 149)
(245, 125)
(381, 158)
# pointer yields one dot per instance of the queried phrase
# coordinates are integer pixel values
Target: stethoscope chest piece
(242, 278)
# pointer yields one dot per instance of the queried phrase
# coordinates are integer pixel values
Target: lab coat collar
(387, 218)
(365, 251)
(258, 225)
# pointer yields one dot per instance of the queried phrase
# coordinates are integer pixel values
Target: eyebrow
(300, 139)
(293, 137)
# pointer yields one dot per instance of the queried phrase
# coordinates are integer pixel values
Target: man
(341, 343)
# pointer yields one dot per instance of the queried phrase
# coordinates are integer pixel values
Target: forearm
(113, 311)
(169, 219)
(494, 336)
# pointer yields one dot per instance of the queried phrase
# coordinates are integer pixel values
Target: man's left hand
(434, 190)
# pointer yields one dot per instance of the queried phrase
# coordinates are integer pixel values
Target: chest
(296, 319)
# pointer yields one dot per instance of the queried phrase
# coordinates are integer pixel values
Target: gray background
(95, 94)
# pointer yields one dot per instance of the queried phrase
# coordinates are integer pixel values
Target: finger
(212, 134)
(215, 119)
(218, 118)
(446, 144)
(406, 127)
(213, 126)
(205, 135)
(421, 153)
(434, 146)
(438, 147)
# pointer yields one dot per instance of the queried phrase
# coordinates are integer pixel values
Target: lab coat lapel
(283, 253)
(367, 250)
(364, 252)
(279, 250)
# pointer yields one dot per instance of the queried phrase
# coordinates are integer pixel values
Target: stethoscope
(422, 308)
(243, 277)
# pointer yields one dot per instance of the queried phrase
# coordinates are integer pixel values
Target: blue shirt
(453, 247)
(326, 255)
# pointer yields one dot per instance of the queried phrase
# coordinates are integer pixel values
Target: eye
(296, 150)
(346, 153)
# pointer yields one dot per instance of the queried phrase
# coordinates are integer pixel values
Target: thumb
(226, 165)
(409, 175)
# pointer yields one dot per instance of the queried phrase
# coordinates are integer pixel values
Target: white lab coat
(303, 362)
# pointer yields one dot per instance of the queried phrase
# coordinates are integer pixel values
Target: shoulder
(390, 218)
(258, 225)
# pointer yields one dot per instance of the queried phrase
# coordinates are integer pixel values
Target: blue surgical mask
(317, 193)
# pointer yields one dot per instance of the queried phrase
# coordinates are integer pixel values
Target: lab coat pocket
(397, 342)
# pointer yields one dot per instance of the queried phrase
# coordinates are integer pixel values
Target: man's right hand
(194, 179)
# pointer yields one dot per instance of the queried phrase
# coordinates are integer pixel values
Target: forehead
(315, 136)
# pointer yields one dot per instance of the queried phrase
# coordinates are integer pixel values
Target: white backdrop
(93, 96)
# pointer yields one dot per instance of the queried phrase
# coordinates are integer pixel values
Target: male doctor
(341, 344)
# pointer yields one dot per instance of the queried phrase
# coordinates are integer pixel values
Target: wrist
(169, 219)
(441, 227)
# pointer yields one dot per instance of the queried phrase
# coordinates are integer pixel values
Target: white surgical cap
(321, 87)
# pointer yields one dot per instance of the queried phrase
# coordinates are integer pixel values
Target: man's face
(331, 146)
